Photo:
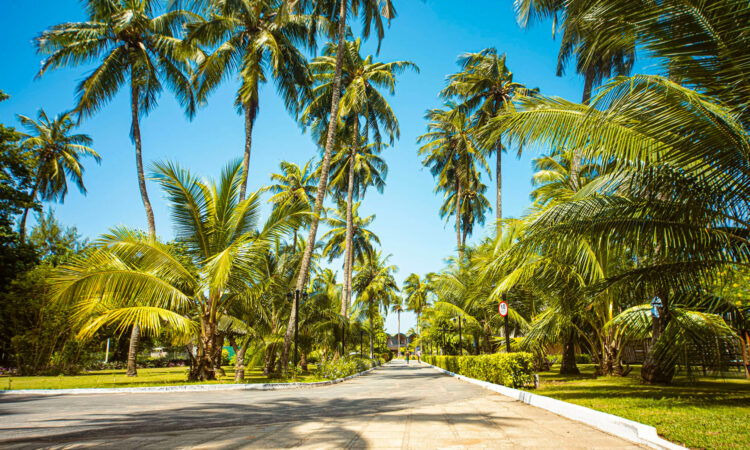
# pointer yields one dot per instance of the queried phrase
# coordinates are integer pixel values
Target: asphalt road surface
(396, 406)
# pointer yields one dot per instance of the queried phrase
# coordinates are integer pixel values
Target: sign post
(502, 308)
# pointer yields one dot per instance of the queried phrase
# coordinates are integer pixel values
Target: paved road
(396, 406)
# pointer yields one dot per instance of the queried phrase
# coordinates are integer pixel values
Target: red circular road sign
(502, 308)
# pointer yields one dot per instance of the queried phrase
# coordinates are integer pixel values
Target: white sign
(502, 308)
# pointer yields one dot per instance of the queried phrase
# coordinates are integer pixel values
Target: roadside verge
(182, 387)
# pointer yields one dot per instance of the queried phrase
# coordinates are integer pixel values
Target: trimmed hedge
(507, 369)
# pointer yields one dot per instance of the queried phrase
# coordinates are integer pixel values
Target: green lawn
(146, 377)
(698, 413)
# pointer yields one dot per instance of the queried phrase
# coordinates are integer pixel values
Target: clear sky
(432, 34)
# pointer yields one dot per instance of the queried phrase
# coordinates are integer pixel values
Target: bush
(507, 369)
(225, 357)
(387, 356)
(583, 358)
(331, 369)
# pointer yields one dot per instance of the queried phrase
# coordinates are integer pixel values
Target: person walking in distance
(407, 356)
(418, 354)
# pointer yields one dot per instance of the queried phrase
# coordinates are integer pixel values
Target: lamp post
(507, 338)
(361, 343)
(460, 340)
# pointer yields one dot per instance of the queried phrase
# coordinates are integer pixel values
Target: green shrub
(507, 369)
(387, 356)
(224, 357)
(331, 369)
(583, 358)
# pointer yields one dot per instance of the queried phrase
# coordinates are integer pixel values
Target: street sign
(502, 308)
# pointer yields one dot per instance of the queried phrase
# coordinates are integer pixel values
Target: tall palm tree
(375, 285)
(135, 280)
(485, 85)
(360, 101)
(452, 154)
(417, 291)
(372, 12)
(335, 238)
(58, 155)
(134, 46)
(259, 39)
(398, 307)
(293, 184)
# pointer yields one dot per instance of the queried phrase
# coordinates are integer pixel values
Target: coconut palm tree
(417, 291)
(58, 155)
(135, 280)
(361, 104)
(485, 85)
(335, 238)
(132, 46)
(658, 185)
(452, 154)
(293, 184)
(372, 12)
(259, 40)
(375, 286)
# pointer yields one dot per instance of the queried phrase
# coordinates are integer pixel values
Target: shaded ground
(396, 406)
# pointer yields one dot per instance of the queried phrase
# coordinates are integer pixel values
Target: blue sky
(431, 34)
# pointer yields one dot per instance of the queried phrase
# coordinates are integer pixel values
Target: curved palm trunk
(250, 115)
(136, 128)
(322, 185)
(349, 256)
(205, 367)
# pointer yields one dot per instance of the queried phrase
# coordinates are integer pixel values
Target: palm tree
(335, 238)
(452, 154)
(658, 184)
(375, 286)
(135, 280)
(135, 46)
(293, 184)
(58, 154)
(371, 11)
(485, 85)
(398, 307)
(416, 291)
(259, 39)
(360, 100)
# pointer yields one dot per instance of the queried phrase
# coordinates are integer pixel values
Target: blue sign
(656, 306)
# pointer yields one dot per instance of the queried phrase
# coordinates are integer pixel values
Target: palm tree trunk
(349, 227)
(655, 369)
(139, 160)
(22, 225)
(568, 364)
(458, 219)
(322, 185)
(372, 349)
(499, 171)
(588, 85)
(250, 114)
(135, 336)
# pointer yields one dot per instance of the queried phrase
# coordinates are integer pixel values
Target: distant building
(393, 341)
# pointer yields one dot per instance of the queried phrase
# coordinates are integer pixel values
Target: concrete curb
(615, 425)
(183, 388)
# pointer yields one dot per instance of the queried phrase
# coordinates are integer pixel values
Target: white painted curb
(618, 426)
(182, 388)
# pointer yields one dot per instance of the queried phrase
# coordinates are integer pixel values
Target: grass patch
(697, 413)
(146, 377)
